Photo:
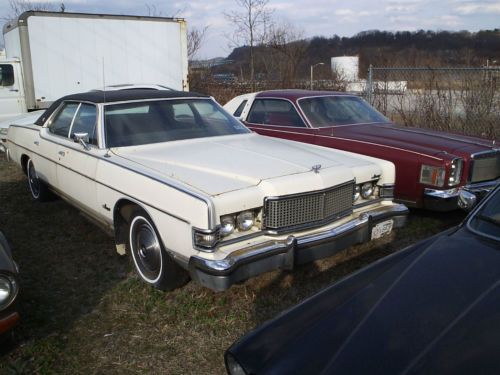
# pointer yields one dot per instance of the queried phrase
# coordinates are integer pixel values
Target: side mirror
(83, 139)
(466, 200)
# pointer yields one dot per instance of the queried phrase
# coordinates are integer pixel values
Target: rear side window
(61, 123)
(274, 112)
(86, 122)
(239, 110)
(6, 75)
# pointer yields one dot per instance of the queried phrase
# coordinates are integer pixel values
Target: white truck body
(52, 54)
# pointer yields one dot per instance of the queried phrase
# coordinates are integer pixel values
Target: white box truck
(52, 54)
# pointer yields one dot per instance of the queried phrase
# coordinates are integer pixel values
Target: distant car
(431, 166)
(186, 189)
(433, 308)
(9, 288)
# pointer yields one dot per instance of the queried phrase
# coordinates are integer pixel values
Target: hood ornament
(316, 168)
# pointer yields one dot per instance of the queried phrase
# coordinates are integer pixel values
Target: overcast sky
(316, 17)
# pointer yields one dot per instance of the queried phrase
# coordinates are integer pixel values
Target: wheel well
(24, 163)
(121, 219)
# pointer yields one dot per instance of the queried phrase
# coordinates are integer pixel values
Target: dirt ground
(84, 311)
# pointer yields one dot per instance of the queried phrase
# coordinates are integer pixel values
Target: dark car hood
(424, 141)
(433, 308)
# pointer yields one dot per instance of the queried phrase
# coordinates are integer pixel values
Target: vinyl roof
(101, 97)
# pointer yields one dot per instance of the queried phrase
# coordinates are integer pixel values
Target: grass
(84, 311)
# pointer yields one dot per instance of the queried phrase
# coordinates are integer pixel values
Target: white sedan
(188, 190)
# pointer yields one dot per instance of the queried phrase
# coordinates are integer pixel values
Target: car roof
(295, 94)
(101, 97)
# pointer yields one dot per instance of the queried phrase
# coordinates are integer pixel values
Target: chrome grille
(308, 209)
(485, 167)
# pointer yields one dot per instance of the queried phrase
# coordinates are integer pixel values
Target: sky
(309, 18)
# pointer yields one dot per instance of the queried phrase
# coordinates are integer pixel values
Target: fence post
(369, 85)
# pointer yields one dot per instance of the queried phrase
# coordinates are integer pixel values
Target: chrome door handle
(62, 153)
(14, 90)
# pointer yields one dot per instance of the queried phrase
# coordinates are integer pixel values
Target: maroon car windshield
(338, 110)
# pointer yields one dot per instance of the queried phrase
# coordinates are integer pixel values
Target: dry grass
(85, 312)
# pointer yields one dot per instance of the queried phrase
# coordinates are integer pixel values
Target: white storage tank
(346, 66)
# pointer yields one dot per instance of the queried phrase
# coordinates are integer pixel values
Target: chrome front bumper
(285, 253)
(448, 200)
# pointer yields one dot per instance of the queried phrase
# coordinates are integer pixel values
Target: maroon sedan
(431, 166)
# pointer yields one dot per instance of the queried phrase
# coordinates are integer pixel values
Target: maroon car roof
(294, 94)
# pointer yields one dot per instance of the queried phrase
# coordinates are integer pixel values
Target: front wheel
(151, 261)
(39, 191)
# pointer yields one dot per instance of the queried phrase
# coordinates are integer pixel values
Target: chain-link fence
(460, 100)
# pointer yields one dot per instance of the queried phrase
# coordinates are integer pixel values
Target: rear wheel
(151, 261)
(39, 191)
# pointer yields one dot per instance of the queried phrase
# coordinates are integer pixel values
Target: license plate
(381, 229)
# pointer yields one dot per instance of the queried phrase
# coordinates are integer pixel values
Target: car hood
(221, 164)
(425, 141)
(431, 309)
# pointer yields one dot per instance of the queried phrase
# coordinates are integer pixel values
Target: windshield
(144, 122)
(487, 219)
(339, 110)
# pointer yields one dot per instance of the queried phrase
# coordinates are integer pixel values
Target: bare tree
(288, 42)
(195, 38)
(250, 23)
(18, 7)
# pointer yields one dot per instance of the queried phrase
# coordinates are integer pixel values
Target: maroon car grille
(308, 209)
(485, 167)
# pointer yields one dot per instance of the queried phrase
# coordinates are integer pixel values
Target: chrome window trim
(96, 123)
(344, 96)
(306, 123)
(73, 120)
(478, 208)
(48, 122)
(59, 109)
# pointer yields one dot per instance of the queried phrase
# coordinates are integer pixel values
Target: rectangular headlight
(206, 240)
(430, 175)
(3, 131)
(455, 172)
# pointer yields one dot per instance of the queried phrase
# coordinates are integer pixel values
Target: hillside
(382, 48)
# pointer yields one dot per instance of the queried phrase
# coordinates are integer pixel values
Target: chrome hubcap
(146, 248)
(33, 180)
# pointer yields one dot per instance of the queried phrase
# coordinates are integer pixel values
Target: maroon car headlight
(431, 175)
(455, 172)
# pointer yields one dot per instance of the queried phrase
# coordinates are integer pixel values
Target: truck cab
(12, 101)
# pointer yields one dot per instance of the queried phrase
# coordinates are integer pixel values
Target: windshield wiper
(488, 219)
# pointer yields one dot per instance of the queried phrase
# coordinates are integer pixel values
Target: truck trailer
(52, 54)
